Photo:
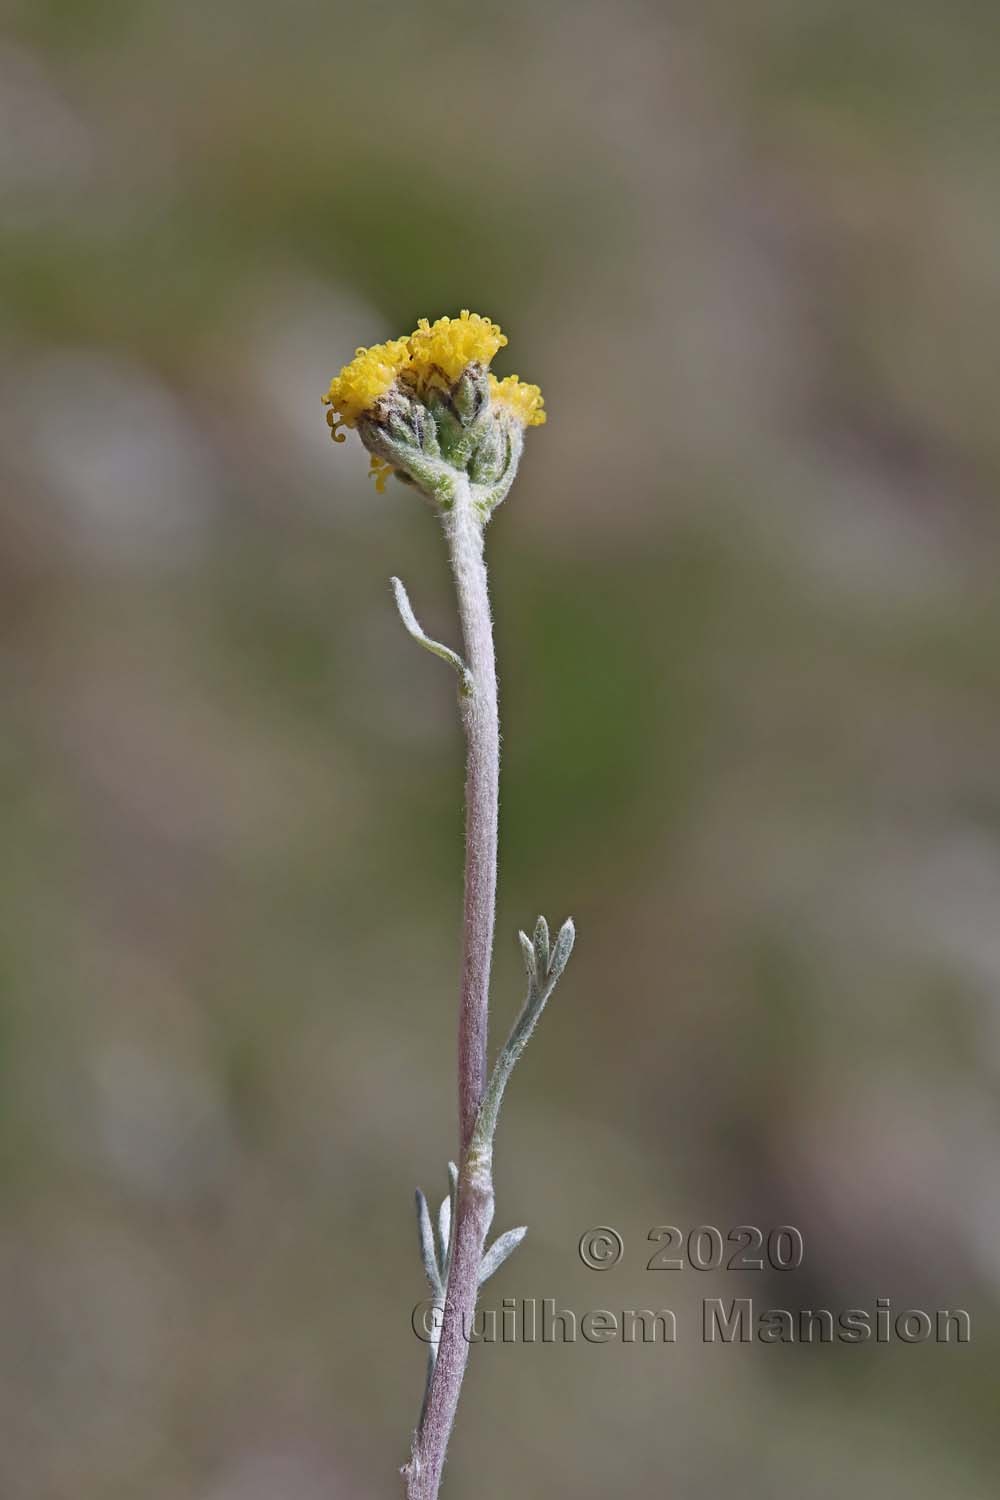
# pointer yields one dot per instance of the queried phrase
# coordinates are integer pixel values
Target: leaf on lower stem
(427, 1253)
(562, 950)
(444, 1238)
(502, 1247)
(542, 945)
(529, 956)
(545, 968)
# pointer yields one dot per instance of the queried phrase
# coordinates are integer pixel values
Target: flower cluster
(427, 408)
(522, 401)
(361, 384)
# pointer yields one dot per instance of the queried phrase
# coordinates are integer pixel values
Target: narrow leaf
(413, 625)
(426, 1234)
(503, 1246)
(563, 949)
(444, 1236)
(535, 1002)
(529, 956)
(542, 945)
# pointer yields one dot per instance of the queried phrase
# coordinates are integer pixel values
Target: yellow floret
(442, 350)
(380, 471)
(525, 402)
(370, 374)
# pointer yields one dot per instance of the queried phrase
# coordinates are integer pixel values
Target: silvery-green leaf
(427, 1254)
(503, 1246)
(415, 629)
(444, 1236)
(535, 1001)
(541, 941)
(529, 956)
(563, 949)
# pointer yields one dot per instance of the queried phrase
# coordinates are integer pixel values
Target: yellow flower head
(444, 349)
(524, 402)
(370, 374)
(429, 411)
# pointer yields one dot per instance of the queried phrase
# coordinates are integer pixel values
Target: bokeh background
(748, 627)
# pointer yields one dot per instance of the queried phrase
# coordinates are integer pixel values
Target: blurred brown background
(748, 625)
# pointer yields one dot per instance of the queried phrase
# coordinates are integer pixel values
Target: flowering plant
(432, 414)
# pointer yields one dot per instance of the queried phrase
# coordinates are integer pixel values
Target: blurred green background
(748, 626)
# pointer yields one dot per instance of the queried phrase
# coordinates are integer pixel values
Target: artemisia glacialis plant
(432, 414)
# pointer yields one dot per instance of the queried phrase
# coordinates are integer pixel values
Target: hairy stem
(463, 526)
(430, 1442)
